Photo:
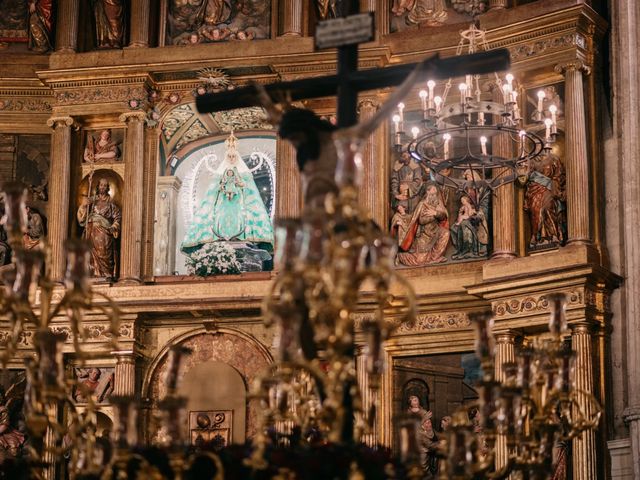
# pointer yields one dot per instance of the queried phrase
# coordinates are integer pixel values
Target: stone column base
(621, 459)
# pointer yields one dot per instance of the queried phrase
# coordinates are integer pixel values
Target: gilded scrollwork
(30, 105)
(533, 304)
(99, 95)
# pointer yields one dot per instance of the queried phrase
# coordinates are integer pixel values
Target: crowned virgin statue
(231, 213)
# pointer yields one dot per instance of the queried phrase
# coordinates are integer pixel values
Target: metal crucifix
(349, 81)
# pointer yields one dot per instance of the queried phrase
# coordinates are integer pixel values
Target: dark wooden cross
(349, 81)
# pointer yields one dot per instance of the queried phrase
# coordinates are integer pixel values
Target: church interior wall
(144, 94)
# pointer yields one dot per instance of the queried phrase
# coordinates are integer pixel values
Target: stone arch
(236, 349)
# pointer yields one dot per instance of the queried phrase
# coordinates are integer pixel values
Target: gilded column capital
(583, 327)
(368, 104)
(507, 337)
(63, 121)
(136, 114)
(124, 357)
(572, 66)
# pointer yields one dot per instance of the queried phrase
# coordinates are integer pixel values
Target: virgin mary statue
(232, 210)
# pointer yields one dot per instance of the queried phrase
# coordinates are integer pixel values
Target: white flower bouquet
(215, 258)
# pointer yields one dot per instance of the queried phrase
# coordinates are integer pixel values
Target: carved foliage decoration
(533, 304)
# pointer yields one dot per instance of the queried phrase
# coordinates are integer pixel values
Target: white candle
(438, 103)
(509, 78)
(469, 82)
(415, 131)
(521, 135)
(554, 110)
(463, 93)
(431, 85)
(514, 96)
(541, 96)
(483, 145)
(480, 118)
(423, 97)
(401, 111)
(506, 94)
(548, 123)
(446, 138)
(396, 123)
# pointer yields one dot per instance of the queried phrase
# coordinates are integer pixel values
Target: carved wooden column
(576, 163)
(367, 5)
(497, 4)
(504, 210)
(59, 185)
(50, 436)
(132, 197)
(584, 446)
(67, 26)
(151, 142)
(505, 351)
(139, 25)
(369, 396)
(292, 18)
(125, 374)
(288, 186)
(373, 181)
(165, 226)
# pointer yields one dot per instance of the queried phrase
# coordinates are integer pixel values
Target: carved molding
(532, 304)
(99, 95)
(26, 105)
(537, 47)
(424, 322)
(134, 115)
(64, 121)
(96, 333)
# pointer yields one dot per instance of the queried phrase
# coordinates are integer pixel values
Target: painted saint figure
(427, 12)
(40, 25)
(406, 183)
(35, 229)
(110, 23)
(544, 200)
(101, 218)
(94, 384)
(428, 234)
(104, 149)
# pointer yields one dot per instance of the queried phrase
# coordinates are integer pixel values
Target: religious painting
(545, 202)
(408, 14)
(13, 434)
(212, 428)
(211, 21)
(431, 388)
(96, 383)
(434, 222)
(29, 22)
(225, 207)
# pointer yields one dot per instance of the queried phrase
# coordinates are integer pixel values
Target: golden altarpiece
(142, 88)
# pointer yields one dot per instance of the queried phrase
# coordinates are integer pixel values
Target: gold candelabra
(534, 410)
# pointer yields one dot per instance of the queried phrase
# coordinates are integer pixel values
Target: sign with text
(339, 32)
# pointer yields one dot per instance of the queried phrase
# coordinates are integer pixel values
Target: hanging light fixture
(470, 140)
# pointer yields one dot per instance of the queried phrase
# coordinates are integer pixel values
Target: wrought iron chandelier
(474, 139)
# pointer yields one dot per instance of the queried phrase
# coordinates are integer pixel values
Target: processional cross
(345, 32)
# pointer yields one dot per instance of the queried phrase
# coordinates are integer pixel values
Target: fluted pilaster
(373, 181)
(369, 397)
(125, 374)
(367, 5)
(67, 26)
(148, 233)
(497, 4)
(292, 18)
(584, 446)
(504, 210)
(288, 186)
(505, 351)
(576, 163)
(49, 457)
(59, 185)
(165, 225)
(132, 197)
(139, 28)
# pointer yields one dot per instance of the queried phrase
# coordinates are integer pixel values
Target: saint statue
(93, 383)
(232, 209)
(427, 12)
(101, 219)
(427, 235)
(544, 200)
(102, 150)
(110, 23)
(35, 229)
(40, 25)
